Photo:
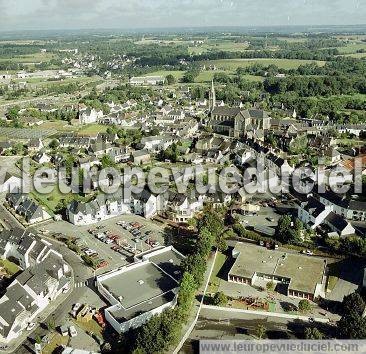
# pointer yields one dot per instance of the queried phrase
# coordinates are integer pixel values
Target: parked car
(64, 330)
(30, 326)
(102, 263)
(72, 331)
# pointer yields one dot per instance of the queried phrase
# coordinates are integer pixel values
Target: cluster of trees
(289, 230)
(309, 86)
(163, 330)
(60, 114)
(191, 74)
(171, 153)
(303, 54)
(349, 245)
(327, 107)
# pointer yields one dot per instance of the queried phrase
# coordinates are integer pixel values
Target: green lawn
(176, 73)
(50, 201)
(215, 280)
(10, 267)
(233, 64)
(93, 129)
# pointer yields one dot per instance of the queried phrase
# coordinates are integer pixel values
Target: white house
(89, 115)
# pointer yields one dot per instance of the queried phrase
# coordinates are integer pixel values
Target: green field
(30, 58)
(203, 77)
(352, 48)
(207, 76)
(93, 129)
(226, 46)
(176, 73)
(233, 64)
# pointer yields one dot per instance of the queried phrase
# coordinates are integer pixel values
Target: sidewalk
(188, 328)
(267, 313)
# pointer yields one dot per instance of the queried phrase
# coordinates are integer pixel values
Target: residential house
(41, 157)
(146, 203)
(27, 208)
(181, 207)
(35, 145)
(89, 115)
(140, 157)
(45, 276)
(9, 183)
(101, 208)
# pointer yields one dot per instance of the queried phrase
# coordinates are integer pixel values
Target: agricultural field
(203, 77)
(30, 58)
(352, 48)
(233, 64)
(226, 46)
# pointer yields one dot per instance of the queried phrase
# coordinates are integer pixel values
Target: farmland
(233, 64)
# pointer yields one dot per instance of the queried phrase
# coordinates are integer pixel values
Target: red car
(102, 264)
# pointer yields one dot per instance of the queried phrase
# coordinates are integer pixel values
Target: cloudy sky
(75, 14)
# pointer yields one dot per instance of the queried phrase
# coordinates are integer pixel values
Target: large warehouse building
(138, 291)
(297, 275)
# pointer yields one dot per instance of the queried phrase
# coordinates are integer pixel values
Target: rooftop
(304, 271)
(139, 284)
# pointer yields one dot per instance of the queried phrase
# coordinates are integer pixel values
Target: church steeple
(212, 97)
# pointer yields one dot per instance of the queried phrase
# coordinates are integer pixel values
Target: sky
(131, 14)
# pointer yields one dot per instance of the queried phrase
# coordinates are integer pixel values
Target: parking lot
(113, 242)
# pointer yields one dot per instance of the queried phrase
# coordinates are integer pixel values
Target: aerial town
(160, 188)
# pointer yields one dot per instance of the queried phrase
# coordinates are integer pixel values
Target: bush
(220, 299)
(304, 306)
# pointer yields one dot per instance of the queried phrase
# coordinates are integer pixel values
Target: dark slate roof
(257, 113)
(337, 221)
(314, 206)
(230, 112)
(26, 243)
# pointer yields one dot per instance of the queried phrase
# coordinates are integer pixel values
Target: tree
(170, 79)
(54, 144)
(107, 161)
(220, 299)
(186, 292)
(205, 240)
(304, 306)
(353, 303)
(270, 286)
(313, 333)
(352, 325)
(260, 331)
(13, 112)
(283, 228)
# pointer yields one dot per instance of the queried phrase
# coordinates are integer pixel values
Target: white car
(76, 307)
(30, 326)
(72, 331)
